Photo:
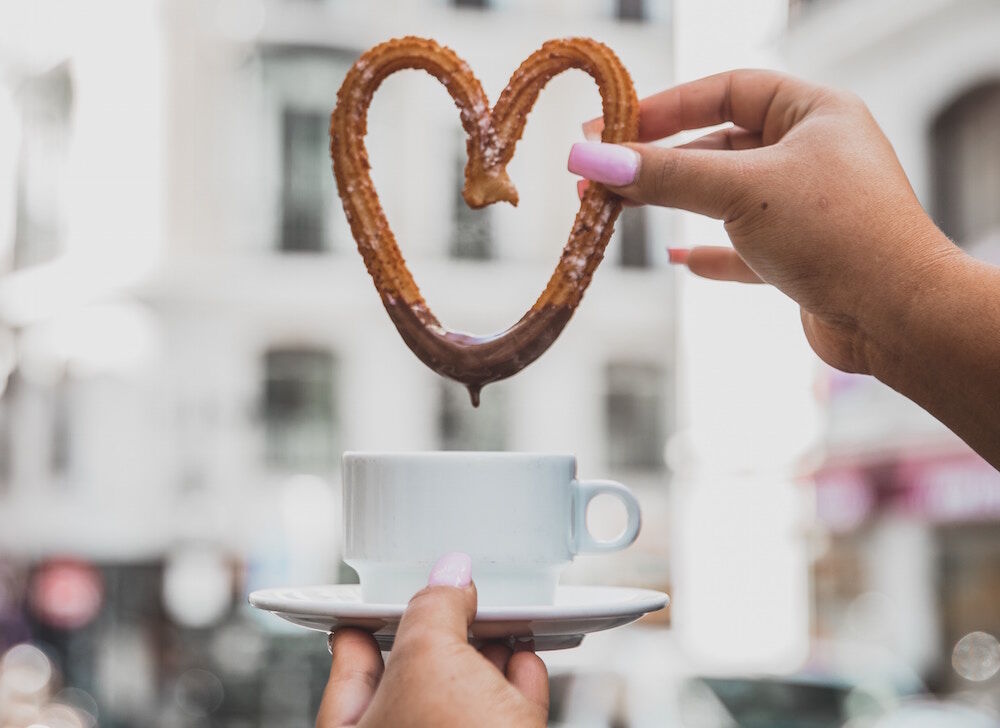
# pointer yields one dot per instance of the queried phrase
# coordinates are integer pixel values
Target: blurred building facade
(189, 340)
(909, 517)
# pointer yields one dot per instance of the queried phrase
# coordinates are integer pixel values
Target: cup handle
(586, 491)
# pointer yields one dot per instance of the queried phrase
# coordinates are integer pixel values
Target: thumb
(444, 610)
(707, 181)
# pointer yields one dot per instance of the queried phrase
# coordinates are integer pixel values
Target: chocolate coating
(492, 137)
(475, 361)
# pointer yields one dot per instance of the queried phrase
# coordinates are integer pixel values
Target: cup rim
(478, 455)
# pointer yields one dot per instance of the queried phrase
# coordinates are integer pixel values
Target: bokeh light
(61, 716)
(198, 692)
(25, 670)
(66, 594)
(197, 586)
(239, 649)
(82, 702)
(976, 656)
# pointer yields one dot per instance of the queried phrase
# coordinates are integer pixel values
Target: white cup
(522, 517)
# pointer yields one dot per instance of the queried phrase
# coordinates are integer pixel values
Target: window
(7, 396)
(306, 191)
(48, 427)
(464, 427)
(796, 8)
(966, 139)
(633, 239)
(298, 409)
(46, 107)
(631, 10)
(635, 416)
(297, 83)
(60, 455)
(471, 232)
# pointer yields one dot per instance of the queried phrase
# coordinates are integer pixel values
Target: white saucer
(577, 611)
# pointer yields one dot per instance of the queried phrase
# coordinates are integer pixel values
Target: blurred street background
(189, 341)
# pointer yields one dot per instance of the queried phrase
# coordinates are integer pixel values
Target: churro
(492, 136)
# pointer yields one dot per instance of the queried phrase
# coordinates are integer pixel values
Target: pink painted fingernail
(611, 164)
(454, 569)
(581, 187)
(678, 255)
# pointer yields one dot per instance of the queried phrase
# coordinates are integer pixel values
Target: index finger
(355, 672)
(744, 97)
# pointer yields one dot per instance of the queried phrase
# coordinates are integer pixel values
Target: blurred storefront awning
(956, 489)
(951, 486)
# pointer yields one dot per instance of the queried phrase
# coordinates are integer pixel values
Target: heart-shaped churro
(492, 136)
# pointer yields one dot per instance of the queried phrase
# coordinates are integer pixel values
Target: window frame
(949, 131)
(280, 427)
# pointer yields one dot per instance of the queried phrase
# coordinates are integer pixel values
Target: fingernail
(454, 569)
(524, 644)
(592, 129)
(611, 164)
(678, 255)
(581, 187)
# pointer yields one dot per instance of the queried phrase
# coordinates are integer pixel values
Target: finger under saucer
(497, 653)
